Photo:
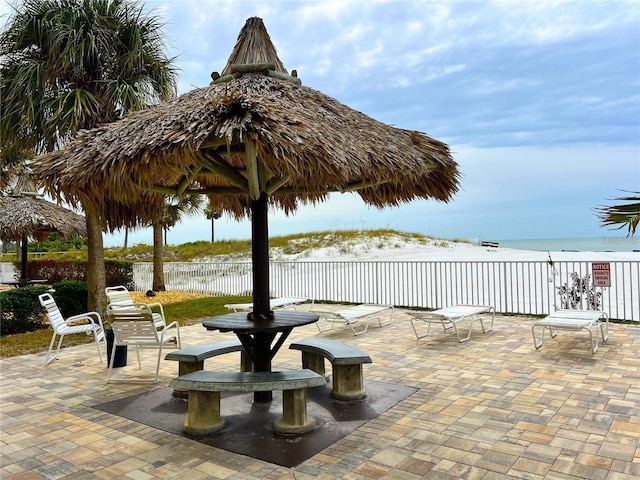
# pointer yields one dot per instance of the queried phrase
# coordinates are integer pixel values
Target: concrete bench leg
(314, 362)
(246, 364)
(183, 369)
(203, 413)
(294, 413)
(189, 367)
(348, 382)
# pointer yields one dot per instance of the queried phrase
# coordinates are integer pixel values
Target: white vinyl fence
(529, 288)
(7, 272)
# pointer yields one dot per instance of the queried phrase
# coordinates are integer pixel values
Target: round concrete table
(261, 339)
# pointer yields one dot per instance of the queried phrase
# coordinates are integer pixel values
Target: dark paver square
(248, 428)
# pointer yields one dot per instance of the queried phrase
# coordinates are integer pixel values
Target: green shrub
(57, 244)
(55, 270)
(71, 296)
(20, 310)
(118, 272)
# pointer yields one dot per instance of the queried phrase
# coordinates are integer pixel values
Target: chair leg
(604, 329)
(360, 332)
(46, 360)
(113, 356)
(322, 330)
(59, 345)
(594, 343)
(537, 343)
(95, 336)
(138, 354)
(415, 330)
(158, 363)
(455, 329)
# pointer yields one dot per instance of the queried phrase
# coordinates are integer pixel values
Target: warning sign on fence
(601, 272)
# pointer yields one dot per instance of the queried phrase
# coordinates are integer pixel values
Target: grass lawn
(186, 312)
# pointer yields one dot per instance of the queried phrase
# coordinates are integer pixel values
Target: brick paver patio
(493, 407)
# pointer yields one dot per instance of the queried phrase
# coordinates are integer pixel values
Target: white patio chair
(134, 326)
(120, 297)
(89, 323)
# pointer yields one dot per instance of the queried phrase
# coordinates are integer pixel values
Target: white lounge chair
(281, 302)
(449, 317)
(135, 327)
(589, 320)
(119, 296)
(350, 315)
(89, 323)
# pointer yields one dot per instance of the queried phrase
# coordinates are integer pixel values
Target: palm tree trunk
(158, 265)
(24, 257)
(96, 282)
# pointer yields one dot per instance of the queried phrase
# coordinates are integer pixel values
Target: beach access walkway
(492, 408)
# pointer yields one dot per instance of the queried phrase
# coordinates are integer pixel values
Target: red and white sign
(601, 272)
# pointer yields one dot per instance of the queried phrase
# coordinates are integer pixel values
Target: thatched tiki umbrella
(255, 137)
(28, 214)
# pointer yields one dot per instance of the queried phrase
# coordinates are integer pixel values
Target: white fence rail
(529, 288)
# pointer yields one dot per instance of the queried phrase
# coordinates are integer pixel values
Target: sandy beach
(417, 272)
(401, 249)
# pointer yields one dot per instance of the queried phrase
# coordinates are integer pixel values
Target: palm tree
(13, 164)
(622, 214)
(68, 65)
(212, 215)
(188, 204)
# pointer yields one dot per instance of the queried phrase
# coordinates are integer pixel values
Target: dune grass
(346, 240)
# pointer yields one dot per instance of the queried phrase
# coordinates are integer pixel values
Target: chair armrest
(139, 306)
(158, 306)
(173, 325)
(91, 317)
(323, 313)
(132, 311)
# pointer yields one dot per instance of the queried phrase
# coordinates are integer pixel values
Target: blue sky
(539, 102)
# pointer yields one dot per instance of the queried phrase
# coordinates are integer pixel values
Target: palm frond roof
(255, 129)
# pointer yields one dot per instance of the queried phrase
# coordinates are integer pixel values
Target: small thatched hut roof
(254, 129)
(30, 215)
(254, 46)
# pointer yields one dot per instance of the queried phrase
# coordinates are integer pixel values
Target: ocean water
(593, 244)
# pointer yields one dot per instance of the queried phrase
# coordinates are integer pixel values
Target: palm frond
(621, 215)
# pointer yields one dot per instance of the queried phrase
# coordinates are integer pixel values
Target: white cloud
(555, 21)
(312, 13)
(537, 99)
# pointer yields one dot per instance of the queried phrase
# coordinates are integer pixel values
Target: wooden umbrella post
(260, 258)
(261, 307)
(261, 304)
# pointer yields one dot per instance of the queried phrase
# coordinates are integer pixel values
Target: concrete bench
(346, 362)
(204, 387)
(191, 359)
